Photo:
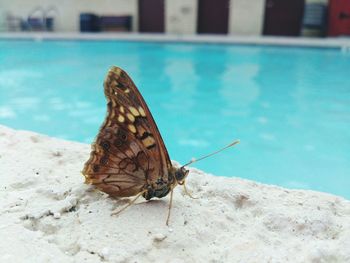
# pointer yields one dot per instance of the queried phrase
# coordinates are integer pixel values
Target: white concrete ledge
(48, 214)
(343, 43)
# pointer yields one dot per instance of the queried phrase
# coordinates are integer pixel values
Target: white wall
(69, 10)
(181, 16)
(246, 17)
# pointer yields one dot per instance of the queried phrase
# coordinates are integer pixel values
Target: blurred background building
(236, 17)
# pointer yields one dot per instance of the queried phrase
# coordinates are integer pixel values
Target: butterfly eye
(184, 171)
(180, 174)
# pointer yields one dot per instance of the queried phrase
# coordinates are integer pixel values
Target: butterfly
(128, 157)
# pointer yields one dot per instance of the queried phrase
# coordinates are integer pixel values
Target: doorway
(283, 17)
(151, 16)
(213, 16)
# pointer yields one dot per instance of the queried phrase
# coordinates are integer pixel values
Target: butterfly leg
(188, 193)
(125, 207)
(170, 204)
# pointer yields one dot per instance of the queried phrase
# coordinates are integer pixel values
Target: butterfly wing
(129, 153)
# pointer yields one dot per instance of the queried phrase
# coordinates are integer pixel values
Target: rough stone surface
(47, 214)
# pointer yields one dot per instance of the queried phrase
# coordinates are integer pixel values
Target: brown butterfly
(128, 157)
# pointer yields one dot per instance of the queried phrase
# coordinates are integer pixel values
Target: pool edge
(342, 43)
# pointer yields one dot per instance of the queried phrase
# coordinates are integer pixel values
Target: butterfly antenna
(211, 154)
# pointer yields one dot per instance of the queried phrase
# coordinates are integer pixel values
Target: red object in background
(339, 17)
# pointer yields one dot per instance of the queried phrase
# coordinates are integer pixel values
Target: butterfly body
(128, 156)
(161, 188)
(159, 191)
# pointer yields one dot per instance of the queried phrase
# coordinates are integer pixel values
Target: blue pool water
(289, 106)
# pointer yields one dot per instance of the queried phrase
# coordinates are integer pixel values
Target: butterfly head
(180, 175)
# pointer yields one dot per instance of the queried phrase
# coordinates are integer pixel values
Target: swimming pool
(288, 106)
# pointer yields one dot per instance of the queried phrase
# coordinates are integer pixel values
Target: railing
(40, 19)
(50, 14)
(36, 20)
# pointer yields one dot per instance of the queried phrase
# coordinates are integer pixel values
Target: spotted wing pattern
(128, 154)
